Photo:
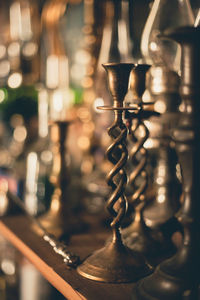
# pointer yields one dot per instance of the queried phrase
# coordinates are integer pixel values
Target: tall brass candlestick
(53, 220)
(178, 278)
(115, 262)
(60, 220)
(139, 236)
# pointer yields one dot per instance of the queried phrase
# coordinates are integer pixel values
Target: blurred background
(51, 55)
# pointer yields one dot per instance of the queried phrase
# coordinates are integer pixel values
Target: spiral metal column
(115, 262)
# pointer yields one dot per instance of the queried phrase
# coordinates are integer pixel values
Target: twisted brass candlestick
(178, 278)
(115, 262)
(138, 236)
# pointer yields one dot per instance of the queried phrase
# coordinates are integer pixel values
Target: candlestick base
(115, 263)
(153, 245)
(163, 286)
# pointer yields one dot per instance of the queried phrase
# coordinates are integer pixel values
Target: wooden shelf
(20, 231)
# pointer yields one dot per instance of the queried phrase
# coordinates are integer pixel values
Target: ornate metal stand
(178, 277)
(160, 212)
(138, 236)
(53, 219)
(115, 262)
(59, 220)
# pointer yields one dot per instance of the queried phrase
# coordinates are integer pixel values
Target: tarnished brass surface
(178, 278)
(138, 236)
(115, 262)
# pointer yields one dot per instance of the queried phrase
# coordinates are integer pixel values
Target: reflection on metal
(137, 235)
(32, 171)
(115, 262)
(163, 85)
(178, 277)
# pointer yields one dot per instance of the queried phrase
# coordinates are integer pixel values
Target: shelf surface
(19, 230)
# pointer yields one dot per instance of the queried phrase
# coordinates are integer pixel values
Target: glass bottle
(164, 15)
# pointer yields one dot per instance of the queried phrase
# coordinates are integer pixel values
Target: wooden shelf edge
(58, 282)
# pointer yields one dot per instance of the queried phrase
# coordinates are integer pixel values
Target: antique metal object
(53, 220)
(59, 219)
(158, 214)
(115, 262)
(178, 277)
(138, 236)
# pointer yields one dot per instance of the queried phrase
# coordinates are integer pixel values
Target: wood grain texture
(19, 231)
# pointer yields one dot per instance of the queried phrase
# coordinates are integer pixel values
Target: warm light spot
(88, 128)
(161, 198)
(15, 80)
(82, 57)
(149, 144)
(86, 166)
(26, 31)
(30, 49)
(160, 180)
(146, 97)
(52, 71)
(161, 171)
(3, 203)
(46, 156)
(87, 82)
(4, 68)
(55, 203)
(14, 49)
(149, 223)
(90, 39)
(2, 51)
(98, 102)
(3, 185)
(31, 182)
(20, 134)
(63, 71)
(153, 46)
(123, 32)
(2, 95)
(83, 142)
(162, 190)
(77, 71)
(15, 20)
(84, 114)
(57, 101)
(8, 266)
(160, 106)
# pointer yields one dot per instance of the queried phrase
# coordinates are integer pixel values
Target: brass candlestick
(138, 159)
(178, 277)
(53, 220)
(60, 219)
(138, 236)
(115, 262)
